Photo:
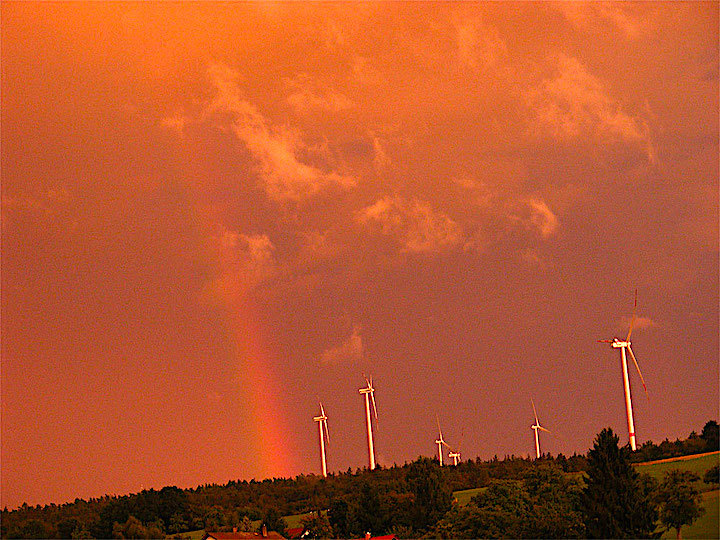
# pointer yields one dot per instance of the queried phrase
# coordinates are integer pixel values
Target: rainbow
(254, 363)
(262, 392)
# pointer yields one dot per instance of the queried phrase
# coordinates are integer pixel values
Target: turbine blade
(446, 444)
(534, 411)
(372, 397)
(438, 424)
(322, 411)
(632, 355)
(327, 433)
(632, 321)
(604, 340)
(540, 427)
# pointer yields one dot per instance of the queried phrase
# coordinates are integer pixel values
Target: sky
(215, 215)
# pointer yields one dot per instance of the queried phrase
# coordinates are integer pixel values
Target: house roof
(240, 535)
(295, 532)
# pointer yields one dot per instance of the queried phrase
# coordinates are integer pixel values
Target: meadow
(708, 525)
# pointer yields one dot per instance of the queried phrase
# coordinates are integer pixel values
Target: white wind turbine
(455, 454)
(622, 345)
(322, 422)
(535, 428)
(440, 441)
(369, 392)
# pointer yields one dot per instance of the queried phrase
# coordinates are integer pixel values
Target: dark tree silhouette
(711, 435)
(617, 500)
(712, 475)
(433, 496)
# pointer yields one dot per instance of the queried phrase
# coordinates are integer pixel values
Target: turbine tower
(535, 428)
(625, 345)
(440, 441)
(322, 422)
(369, 392)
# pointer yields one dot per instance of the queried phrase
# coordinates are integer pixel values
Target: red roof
(240, 535)
(295, 532)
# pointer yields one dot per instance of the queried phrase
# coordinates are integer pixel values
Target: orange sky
(212, 214)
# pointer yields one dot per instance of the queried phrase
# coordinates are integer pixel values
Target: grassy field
(463, 497)
(698, 465)
(191, 535)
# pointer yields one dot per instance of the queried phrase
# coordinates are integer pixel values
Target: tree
(341, 518)
(433, 496)
(66, 527)
(679, 501)
(712, 475)
(711, 435)
(617, 501)
(316, 525)
(273, 521)
(132, 528)
(555, 501)
(80, 533)
(34, 528)
(369, 513)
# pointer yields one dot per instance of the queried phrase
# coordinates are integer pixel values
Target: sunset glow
(216, 214)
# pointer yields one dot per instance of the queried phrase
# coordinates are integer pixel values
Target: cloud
(414, 223)
(479, 46)
(641, 323)
(176, 123)
(349, 350)
(505, 207)
(381, 159)
(574, 103)
(542, 218)
(308, 96)
(245, 261)
(275, 149)
(586, 15)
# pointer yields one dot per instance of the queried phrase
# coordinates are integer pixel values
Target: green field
(294, 520)
(191, 535)
(697, 465)
(463, 496)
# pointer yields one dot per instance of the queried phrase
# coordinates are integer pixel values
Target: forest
(553, 497)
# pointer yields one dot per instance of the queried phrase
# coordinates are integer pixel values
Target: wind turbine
(622, 345)
(440, 441)
(322, 422)
(455, 455)
(369, 392)
(535, 427)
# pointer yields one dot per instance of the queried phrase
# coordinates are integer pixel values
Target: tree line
(522, 498)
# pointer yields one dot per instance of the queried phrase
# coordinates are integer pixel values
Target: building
(242, 535)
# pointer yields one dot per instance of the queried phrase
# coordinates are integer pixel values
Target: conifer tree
(617, 501)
